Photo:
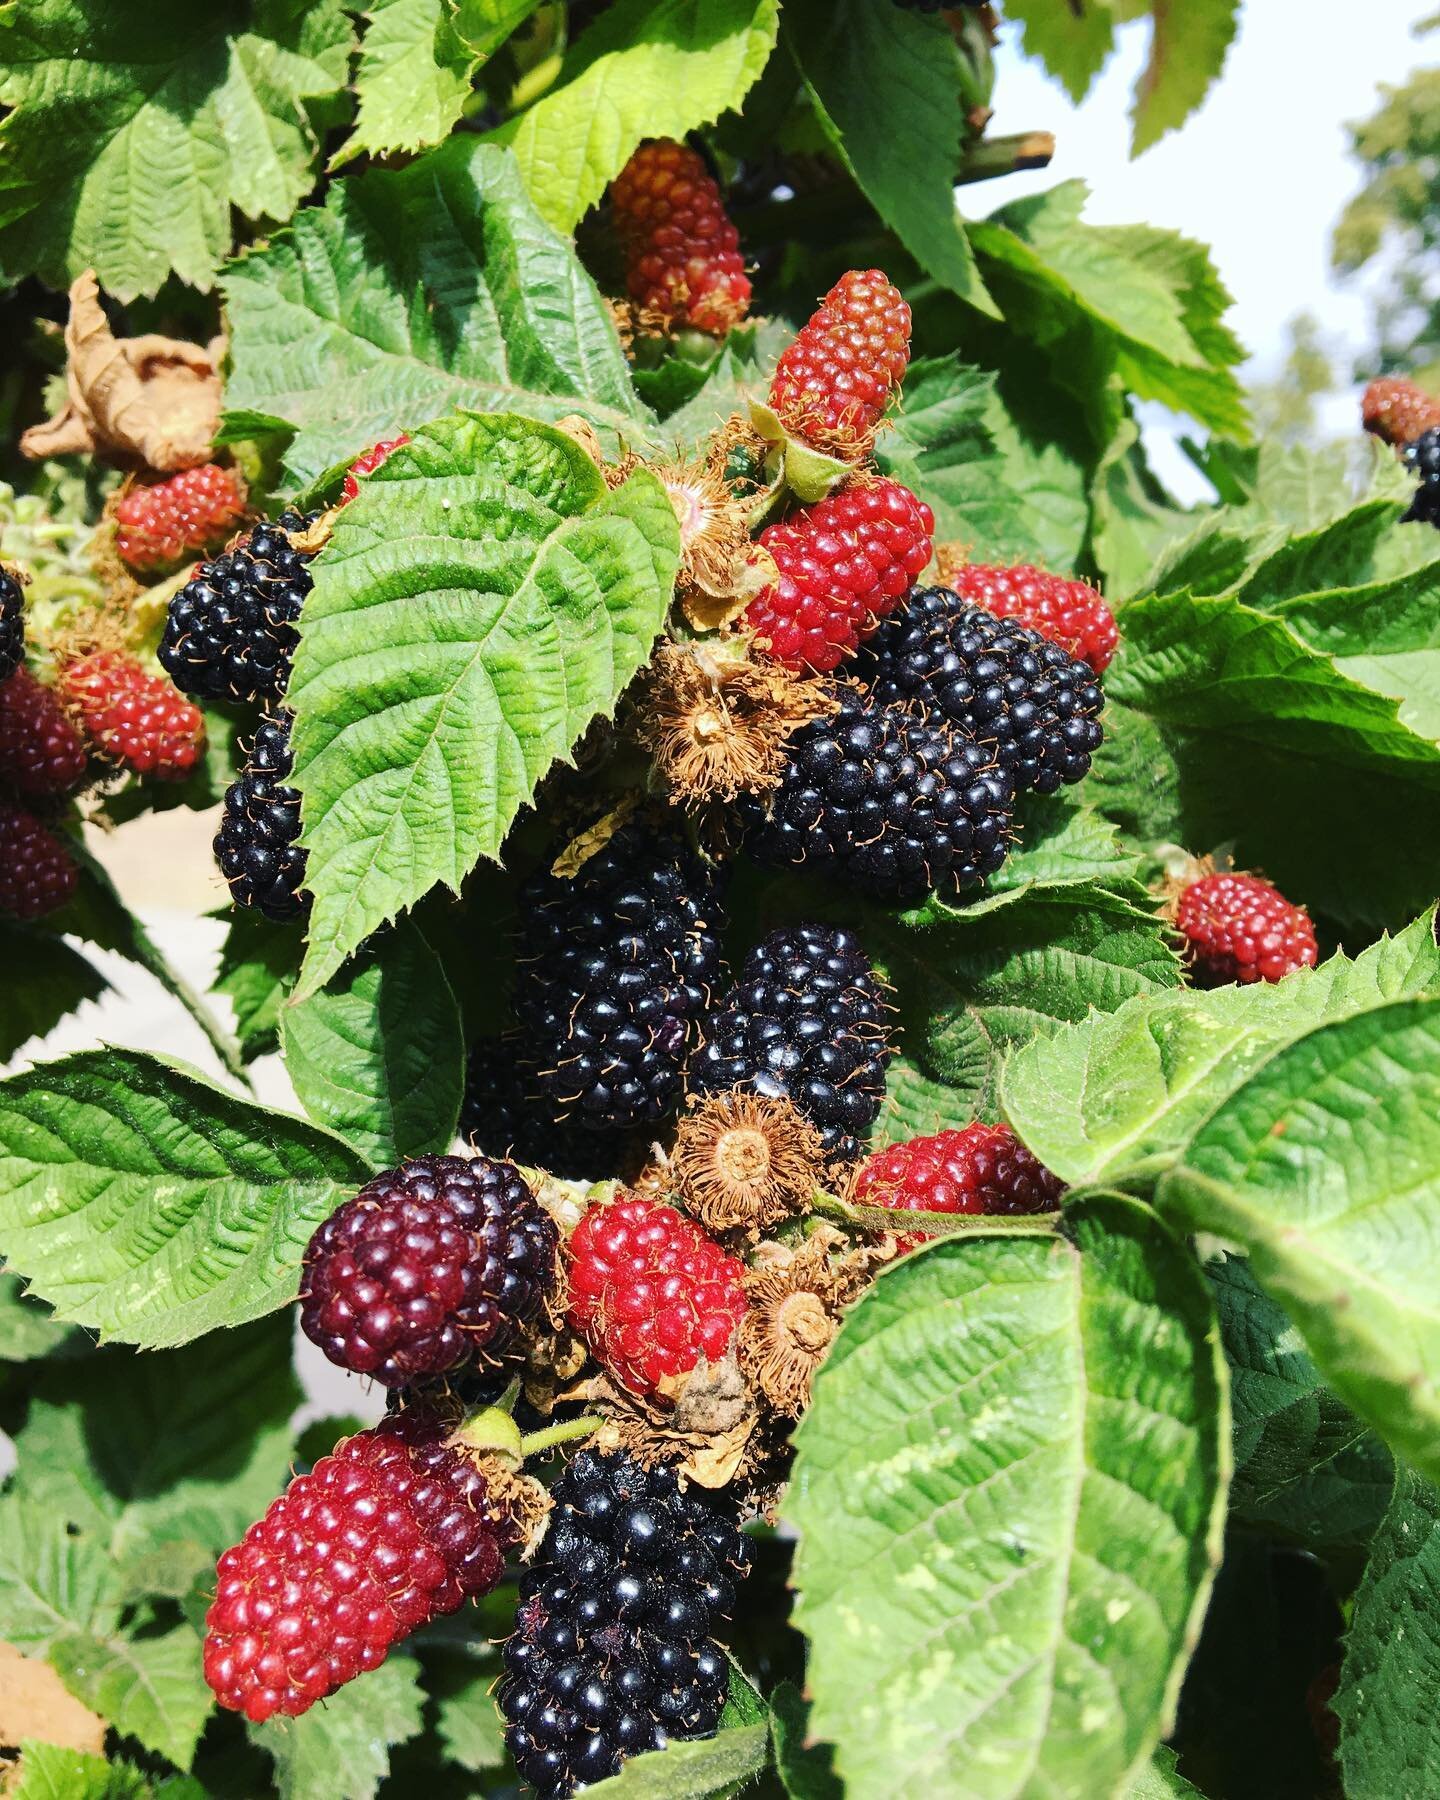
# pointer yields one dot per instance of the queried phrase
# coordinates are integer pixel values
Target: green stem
(990, 157)
(563, 1433)
(933, 1224)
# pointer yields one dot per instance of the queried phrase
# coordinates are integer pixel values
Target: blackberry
(257, 845)
(12, 624)
(430, 1266)
(502, 1115)
(886, 802)
(997, 681)
(614, 968)
(230, 632)
(612, 1653)
(806, 1021)
(1423, 457)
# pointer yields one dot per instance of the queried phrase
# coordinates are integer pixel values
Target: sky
(1260, 172)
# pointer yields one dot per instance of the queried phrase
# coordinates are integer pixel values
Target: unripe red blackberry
(42, 755)
(1397, 410)
(136, 720)
(650, 1292)
(162, 522)
(430, 1266)
(368, 463)
(978, 1169)
(806, 1022)
(258, 843)
(832, 385)
(396, 1527)
(844, 564)
(1069, 613)
(613, 1652)
(682, 252)
(1240, 928)
(37, 872)
(12, 624)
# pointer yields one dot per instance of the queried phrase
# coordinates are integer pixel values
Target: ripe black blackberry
(231, 630)
(614, 968)
(806, 1021)
(995, 680)
(503, 1114)
(612, 1653)
(12, 624)
(885, 801)
(257, 845)
(1423, 456)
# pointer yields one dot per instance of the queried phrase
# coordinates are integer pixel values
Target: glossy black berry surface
(257, 845)
(504, 1113)
(12, 625)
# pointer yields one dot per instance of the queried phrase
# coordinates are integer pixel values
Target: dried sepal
(797, 1297)
(743, 1161)
(721, 568)
(593, 840)
(708, 1429)
(950, 559)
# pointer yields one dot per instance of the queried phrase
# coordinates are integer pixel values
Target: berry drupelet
(258, 843)
(504, 1114)
(37, 872)
(137, 720)
(843, 565)
(996, 681)
(650, 1292)
(1423, 456)
(614, 967)
(396, 1527)
(42, 755)
(12, 624)
(431, 1266)
(162, 522)
(1069, 613)
(231, 630)
(886, 802)
(1397, 411)
(832, 385)
(613, 1652)
(682, 253)
(1240, 928)
(978, 1169)
(805, 1022)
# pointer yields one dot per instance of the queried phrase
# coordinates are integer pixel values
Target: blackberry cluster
(231, 630)
(806, 1021)
(885, 801)
(1423, 457)
(614, 968)
(998, 682)
(257, 845)
(430, 1266)
(12, 624)
(612, 1653)
(503, 1115)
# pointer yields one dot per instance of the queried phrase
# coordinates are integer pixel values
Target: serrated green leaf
(1161, 1780)
(645, 68)
(711, 1768)
(1323, 1163)
(1188, 45)
(139, 1199)
(1095, 1099)
(53, 1582)
(27, 1329)
(150, 1688)
(410, 292)
(1135, 520)
(467, 1719)
(1008, 1490)
(378, 1056)
(1072, 43)
(905, 155)
(1389, 1732)
(741, 370)
(47, 1772)
(343, 1747)
(483, 600)
(258, 961)
(45, 980)
(806, 1771)
(139, 124)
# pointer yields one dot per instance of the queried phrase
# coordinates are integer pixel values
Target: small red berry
(832, 385)
(163, 522)
(978, 1169)
(42, 755)
(138, 720)
(396, 1527)
(682, 252)
(844, 564)
(1240, 928)
(37, 872)
(650, 1292)
(1397, 411)
(368, 463)
(1069, 613)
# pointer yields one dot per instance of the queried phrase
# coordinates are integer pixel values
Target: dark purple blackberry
(429, 1267)
(12, 624)
(807, 1021)
(257, 845)
(230, 632)
(614, 968)
(505, 1115)
(884, 801)
(612, 1653)
(996, 680)
(1423, 456)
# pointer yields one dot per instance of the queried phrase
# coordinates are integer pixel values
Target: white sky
(1259, 173)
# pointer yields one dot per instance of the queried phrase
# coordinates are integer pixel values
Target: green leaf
(47, 1772)
(411, 292)
(257, 964)
(1321, 1166)
(138, 126)
(1072, 42)
(53, 1582)
(45, 980)
(1161, 1780)
(806, 1770)
(417, 62)
(1188, 44)
(699, 1769)
(343, 1747)
(27, 1329)
(139, 1199)
(646, 68)
(1008, 1490)
(1095, 1099)
(484, 599)
(904, 155)
(378, 1056)
(1389, 1732)
(467, 1719)
(1305, 1467)
(150, 1688)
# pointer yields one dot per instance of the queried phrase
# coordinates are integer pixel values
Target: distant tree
(1286, 406)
